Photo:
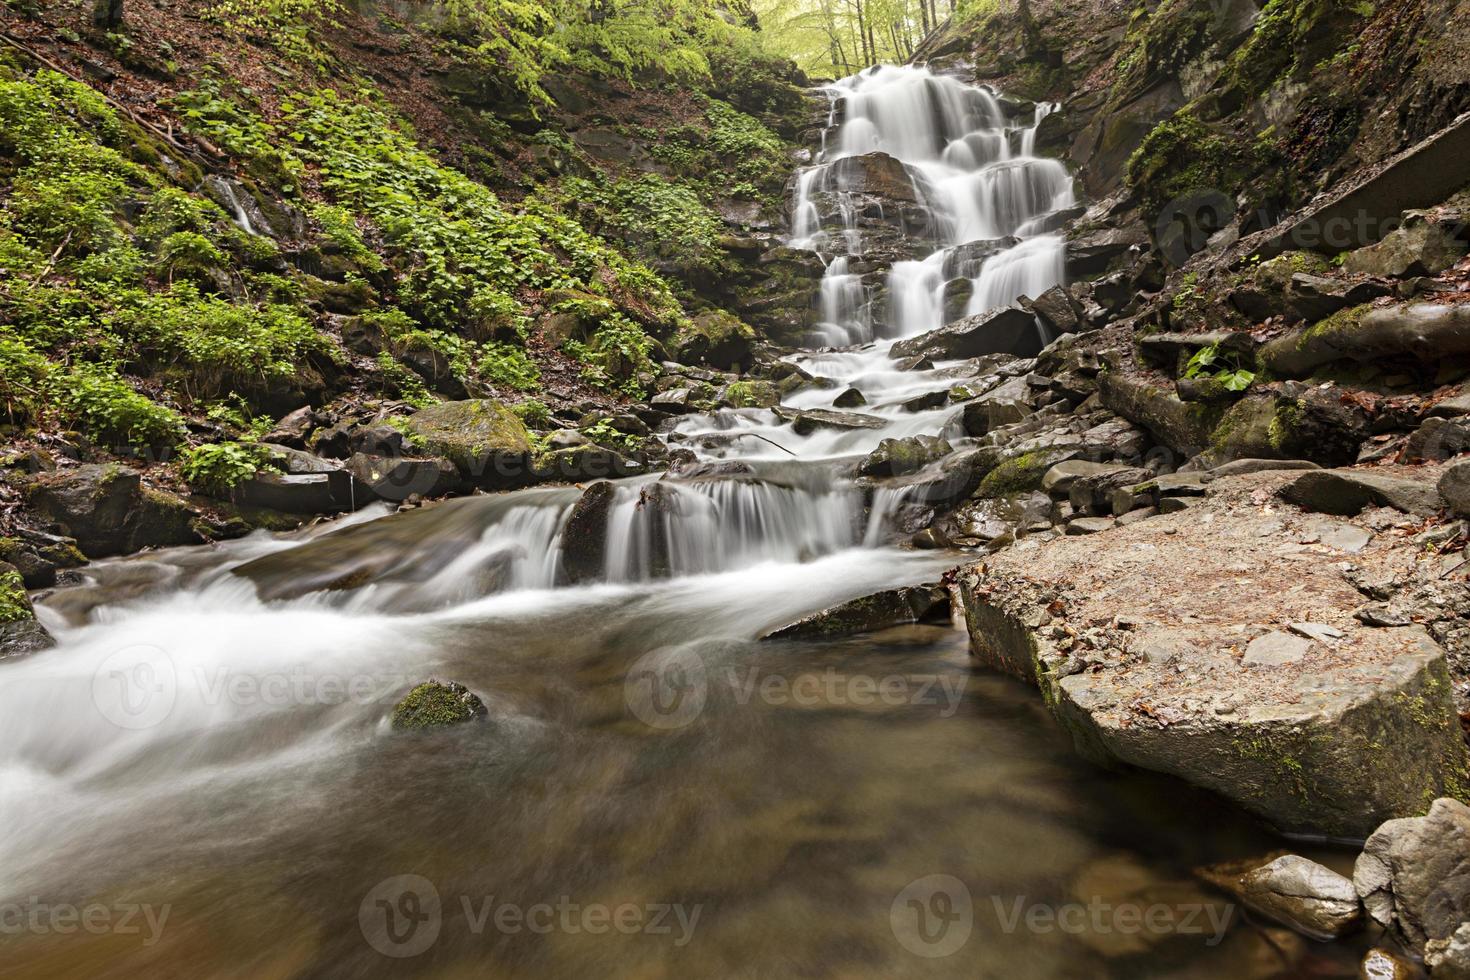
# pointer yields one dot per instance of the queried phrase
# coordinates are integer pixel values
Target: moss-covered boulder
(1022, 473)
(434, 704)
(751, 394)
(106, 508)
(716, 338)
(485, 440)
(20, 634)
(1426, 332)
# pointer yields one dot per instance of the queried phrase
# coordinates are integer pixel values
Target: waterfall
(975, 171)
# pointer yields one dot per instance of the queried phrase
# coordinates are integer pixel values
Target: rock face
(435, 704)
(108, 511)
(889, 608)
(1004, 331)
(484, 439)
(1454, 488)
(1354, 731)
(1414, 874)
(1302, 894)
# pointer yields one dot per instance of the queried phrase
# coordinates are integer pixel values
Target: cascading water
(210, 738)
(975, 171)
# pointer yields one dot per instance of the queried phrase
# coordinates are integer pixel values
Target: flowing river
(201, 781)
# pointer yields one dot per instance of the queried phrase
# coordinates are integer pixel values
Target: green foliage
(285, 24)
(1183, 156)
(94, 398)
(533, 413)
(231, 124)
(216, 468)
(508, 366)
(1222, 366)
(603, 433)
(15, 605)
(617, 353)
(658, 218)
(410, 386)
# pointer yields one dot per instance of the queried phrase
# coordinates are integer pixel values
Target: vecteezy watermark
(139, 687)
(669, 688)
(933, 916)
(1101, 917)
(403, 916)
(37, 918)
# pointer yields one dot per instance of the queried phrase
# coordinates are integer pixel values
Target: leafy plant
(508, 365)
(1224, 367)
(216, 468)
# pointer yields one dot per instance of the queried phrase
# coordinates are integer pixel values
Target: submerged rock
(919, 603)
(1310, 898)
(435, 704)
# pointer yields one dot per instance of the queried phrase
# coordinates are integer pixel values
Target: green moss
(1018, 474)
(15, 605)
(434, 704)
(1183, 156)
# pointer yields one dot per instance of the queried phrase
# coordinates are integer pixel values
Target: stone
(897, 457)
(1242, 467)
(1005, 404)
(584, 537)
(1007, 330)
(293, 429)
(105, 507)
(1059, 478)
(1347, 537)
(1089, 525)
(1312, 298)
(922, 603)
(1304, 895)
(1092, 494)
(1382, 964)
(1058, 310)
(926, 402)
(679, 401)
(1449, 959)
(395, 479)
(305, 493)
(806, 421)
(1425, 331)
(1452, 407)
(576, 464)
(483, 438)
(20, 633)
(1418, 247)
(1177, 424)
(1454, 488)
(1320, 632)
(1347, 492)
(851, 398)
(1276, 650)
(1437, 439)
(435, 704)
(715, 338)
(1414, 874)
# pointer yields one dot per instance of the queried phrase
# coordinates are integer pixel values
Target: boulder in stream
(483, 438)
(20, 633)
(1414, 874)
(435, 704)
(1310, 898)
(106, 508)
(1008, 330)
(915, 604)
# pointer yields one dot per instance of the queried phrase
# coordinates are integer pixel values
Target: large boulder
(882, 609)
(397, 478)
(106, 508)
(1008, 330)
(584, 535)
(483, 438)
(1182, 426)
(1414, 874)
(716, 338)
(1454, 488)
(1427, 332)
(1419, 247)
(1347, 492)
(897, 457)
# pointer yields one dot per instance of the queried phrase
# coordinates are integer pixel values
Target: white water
(82, 756)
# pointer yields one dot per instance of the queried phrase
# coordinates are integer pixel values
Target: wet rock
(851, 398)
(927, 401)
(1420, 246)
(483, 438)
(435, 704)
(1172, 350)
(20, 633)
(1347, 492)
(306, 493)
(897, 457)
(38, 556)
(1452, 407)
(1425, 331)
(878, 175)
(105, 507)
(396, 478)
(750, 394)
(1008, 330)
(1382, 964)
(587, 462)
(1276, 649)
(1006, 404)
(679, 401)
(715, 338)
(1057, 310)
(917, 604)
(1310, 898)
(1414, 874)
(584, 538)
(1454, 488)
(1177, 424)
(807, 421)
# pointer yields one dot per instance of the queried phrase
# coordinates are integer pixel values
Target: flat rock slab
(872, 612)
(1349, 492)
(1142, 642)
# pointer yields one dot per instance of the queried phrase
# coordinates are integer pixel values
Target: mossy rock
(20, 634)
(752, 394)
(1020, 474)
(434, 704)
(716, 338)
(485, 440)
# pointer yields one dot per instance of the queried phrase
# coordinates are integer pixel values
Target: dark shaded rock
(1420, 246)
(1183, 427)
(1312, 298)
(882, 609)
(1008, 330)
(878, 175)
(897, 457)
(1454, 488)
(584, 537)
(1092, 493)
(927, 402)
(396, 478)
(586, 462)
(306, 493)
(38, 555)
(1057, 310)
(679, 401)
(108, 511)
(1437, 439)
(435, 704)
(1171, 350)
(1347, 492)
(716, 338)
(293, 429)
(1414, 874)
(483, 438)
(1004, 405)
(851, 398)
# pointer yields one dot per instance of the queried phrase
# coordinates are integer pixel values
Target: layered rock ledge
(1220, 644)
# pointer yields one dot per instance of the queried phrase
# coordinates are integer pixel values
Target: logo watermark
(38, 918)
(403, 917)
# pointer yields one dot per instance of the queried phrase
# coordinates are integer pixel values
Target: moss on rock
(485, 439)
(435, 704)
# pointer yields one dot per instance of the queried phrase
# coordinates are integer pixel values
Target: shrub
(216, 468)
(107, 408)
(508, 365)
